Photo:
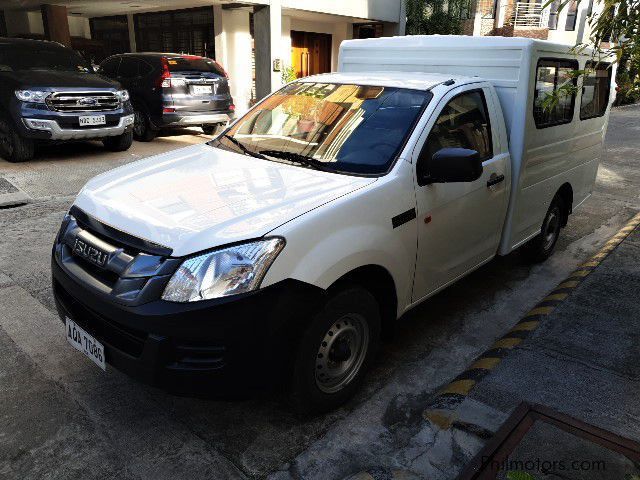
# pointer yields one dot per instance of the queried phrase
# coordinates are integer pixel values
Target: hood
(200, 197)
(51, 78)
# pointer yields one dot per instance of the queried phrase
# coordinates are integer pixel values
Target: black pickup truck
(49, 93)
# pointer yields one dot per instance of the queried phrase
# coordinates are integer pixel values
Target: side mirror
(449, 165)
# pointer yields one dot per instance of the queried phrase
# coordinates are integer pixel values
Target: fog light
(38, 124)
(128, 120)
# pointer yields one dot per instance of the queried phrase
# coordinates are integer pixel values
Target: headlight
(35, 96)
(224, 272)
(123, 95)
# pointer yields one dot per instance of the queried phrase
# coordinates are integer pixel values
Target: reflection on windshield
(14, 59)
(346, 128)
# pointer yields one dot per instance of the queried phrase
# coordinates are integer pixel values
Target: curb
(441, 409)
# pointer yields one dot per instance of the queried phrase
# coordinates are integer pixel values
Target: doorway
(310, 53)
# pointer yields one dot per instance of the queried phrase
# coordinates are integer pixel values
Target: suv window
(595, 90)
(110, 67)
(463, 123)
(190, 63)
(128, 68)
(551, 75)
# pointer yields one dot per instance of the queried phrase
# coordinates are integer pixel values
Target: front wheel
(541, 247)
(13, 147)
(335, 351)
(209, 129)
(119, 143)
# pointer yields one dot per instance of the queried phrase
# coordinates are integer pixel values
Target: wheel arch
(377, 280)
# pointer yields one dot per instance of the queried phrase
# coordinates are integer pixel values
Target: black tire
(13, 147)
(120, 143)
(349, 314)
(142, 128)
(209, 129)
(541, 247)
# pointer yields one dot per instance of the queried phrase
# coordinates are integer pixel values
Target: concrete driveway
(62, 417)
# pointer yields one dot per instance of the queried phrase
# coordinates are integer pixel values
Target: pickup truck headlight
(35, 96)
(123, 95)
(224, 272)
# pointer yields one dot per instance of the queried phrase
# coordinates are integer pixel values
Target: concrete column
(267, 23)
(56, 24)
(131, 25)
(218, 32)
(233, 51)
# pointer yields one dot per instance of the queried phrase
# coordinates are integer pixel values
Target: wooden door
(310, 53)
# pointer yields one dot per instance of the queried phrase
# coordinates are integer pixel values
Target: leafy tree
(428, 17)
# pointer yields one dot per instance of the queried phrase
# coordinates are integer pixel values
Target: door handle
(494, 180)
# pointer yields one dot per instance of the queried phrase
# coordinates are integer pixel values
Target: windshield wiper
(244, 149)
(299, 158)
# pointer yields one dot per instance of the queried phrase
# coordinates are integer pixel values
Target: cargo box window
(595, 90)
(553, 77)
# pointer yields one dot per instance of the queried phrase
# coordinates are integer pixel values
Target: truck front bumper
(208, 347)
(57, 133)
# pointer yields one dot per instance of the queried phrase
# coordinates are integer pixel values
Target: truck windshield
(14, 58)
(343, 128)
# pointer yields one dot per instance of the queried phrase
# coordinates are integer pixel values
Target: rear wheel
(209, 129)
(541, 247)
(335, 351)
(142, 130)
(119, 143)
(13, 147)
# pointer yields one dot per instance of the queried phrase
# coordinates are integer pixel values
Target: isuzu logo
(90, 253)
(87, 101)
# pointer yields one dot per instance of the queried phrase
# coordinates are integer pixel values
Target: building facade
(257, 41)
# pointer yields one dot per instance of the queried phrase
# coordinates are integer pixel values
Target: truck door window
(595, 90)
(464, 123)
(554, 77)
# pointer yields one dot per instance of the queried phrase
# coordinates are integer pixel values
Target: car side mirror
(450, 165)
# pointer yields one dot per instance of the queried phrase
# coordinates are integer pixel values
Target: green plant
(520, 476)
(427, 17)
(288, 74)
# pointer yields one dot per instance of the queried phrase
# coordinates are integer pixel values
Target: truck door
(459, 224)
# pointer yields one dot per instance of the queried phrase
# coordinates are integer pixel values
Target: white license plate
(85, 343)
(93, 120)
(201, 89)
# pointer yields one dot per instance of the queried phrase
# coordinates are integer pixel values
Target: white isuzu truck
(285, 248)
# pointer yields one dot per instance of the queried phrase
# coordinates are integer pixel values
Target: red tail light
(168, 110)
(232, 108)
(165, 77)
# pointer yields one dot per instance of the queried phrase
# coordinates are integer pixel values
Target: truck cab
(287, 247)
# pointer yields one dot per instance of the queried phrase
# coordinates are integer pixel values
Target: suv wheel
(209, 129)
(541, 247)
(335, 351)
(142, 130)
(119, 143)
(13, 147)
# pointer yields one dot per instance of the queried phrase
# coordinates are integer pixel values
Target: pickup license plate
(93, 120)
(201, 89)
(85, 343)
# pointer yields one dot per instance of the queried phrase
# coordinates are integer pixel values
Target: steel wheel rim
(341, 353)
(551, 227)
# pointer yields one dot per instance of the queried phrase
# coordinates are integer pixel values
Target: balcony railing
(530, 15)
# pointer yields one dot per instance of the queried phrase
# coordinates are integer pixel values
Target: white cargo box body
(543, 159)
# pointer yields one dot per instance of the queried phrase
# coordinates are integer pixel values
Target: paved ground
(64, 418)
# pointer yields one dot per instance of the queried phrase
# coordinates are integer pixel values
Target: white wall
(561, 35)
(19, 23)
(79, 27)
(233, 51)
(384, 10)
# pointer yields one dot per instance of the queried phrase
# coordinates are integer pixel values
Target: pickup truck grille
(83, 101)
(132, 271)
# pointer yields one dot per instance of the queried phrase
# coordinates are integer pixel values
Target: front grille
(83, 101)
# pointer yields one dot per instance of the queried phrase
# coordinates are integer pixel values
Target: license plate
(93, 120)
(85, 343)
(201, 89)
